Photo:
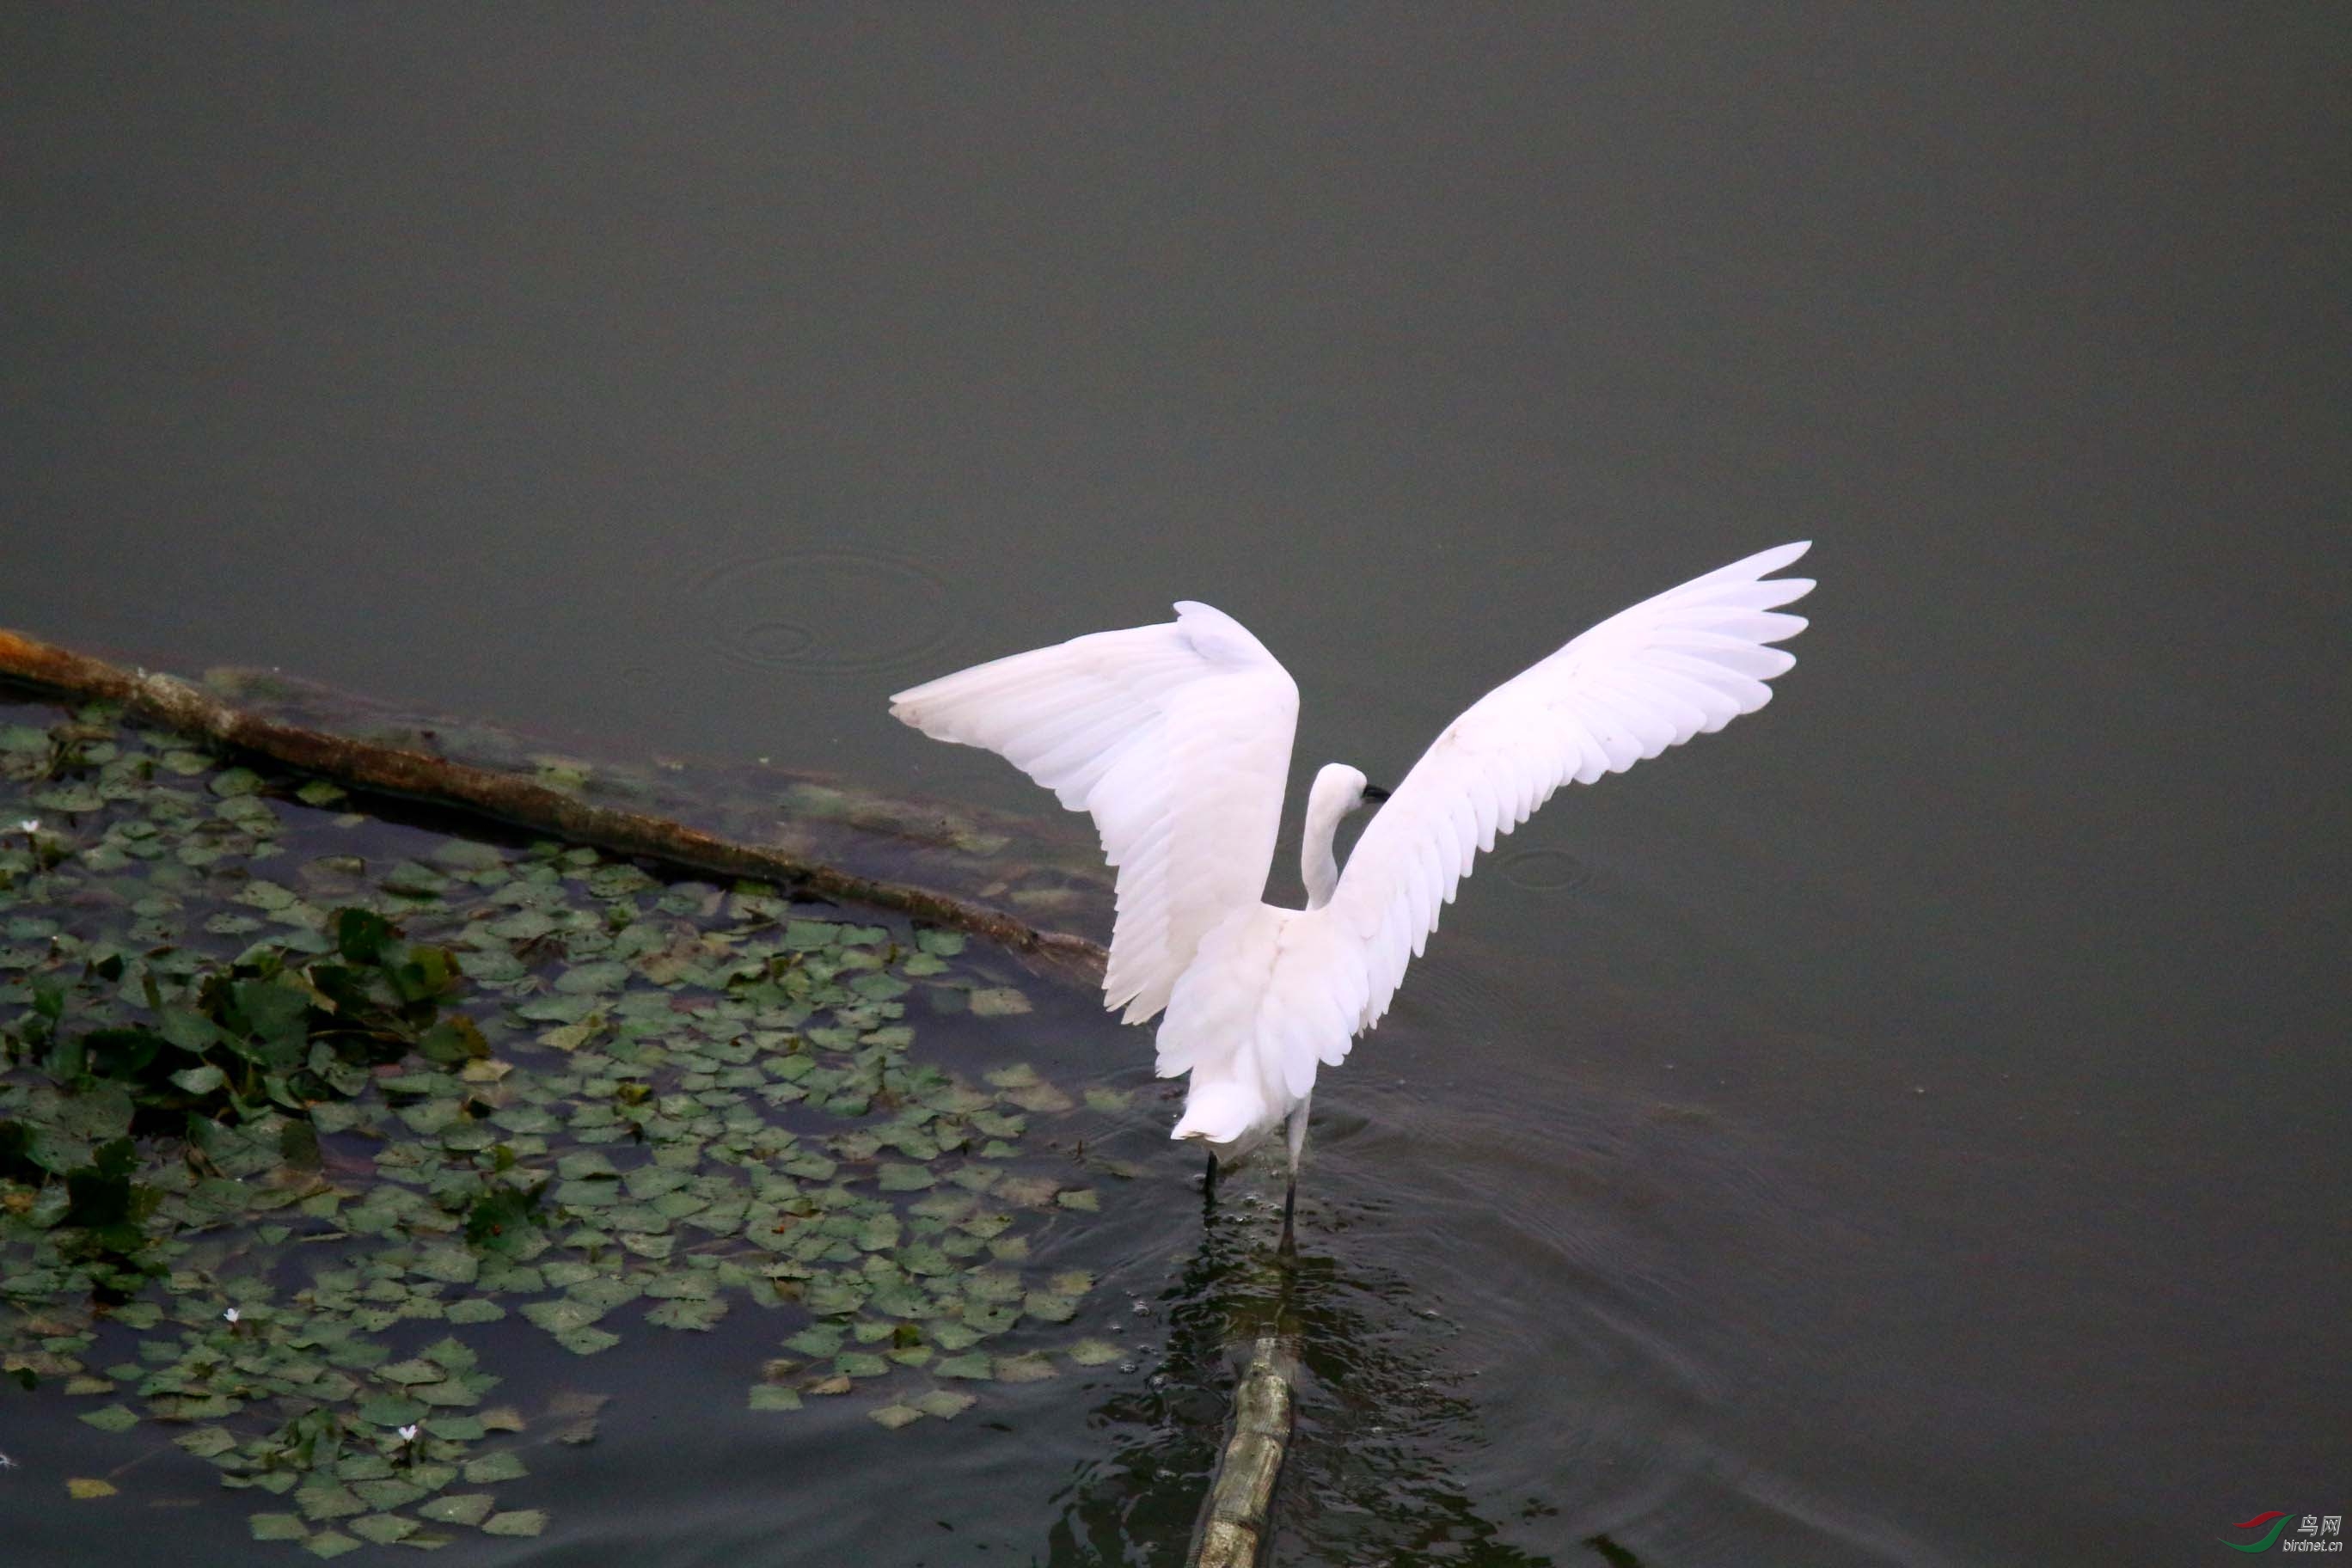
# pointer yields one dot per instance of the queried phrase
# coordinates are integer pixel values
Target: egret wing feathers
(1685, 663)
(1176, 738)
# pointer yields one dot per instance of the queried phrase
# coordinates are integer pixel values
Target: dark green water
(1907, 1128)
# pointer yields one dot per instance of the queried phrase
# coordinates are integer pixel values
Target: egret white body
(1176, 739)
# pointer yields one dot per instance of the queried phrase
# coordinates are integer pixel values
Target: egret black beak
(1375, 793)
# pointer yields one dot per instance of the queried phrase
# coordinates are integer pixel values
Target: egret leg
(1296, 1132)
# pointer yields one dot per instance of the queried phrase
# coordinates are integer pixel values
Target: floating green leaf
(505, 1465)
(1031, 1368)
(562, 1315)
(388, 1493)
(457, 1508)
(942, 1402)
(1048, 1308)
(320, 1500)
(383, 1528)
(520, 1522)
(391, 1410)
(206, 1441)
(998, 1001)
(687, 1314)
(593, 979)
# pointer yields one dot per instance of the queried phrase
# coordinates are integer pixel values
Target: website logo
(2312, 1533)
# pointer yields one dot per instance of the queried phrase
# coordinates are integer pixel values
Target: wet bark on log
(521, 802)
(1233, 1534)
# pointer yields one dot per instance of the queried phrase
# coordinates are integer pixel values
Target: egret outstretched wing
(1176, 738)
(1685, 663)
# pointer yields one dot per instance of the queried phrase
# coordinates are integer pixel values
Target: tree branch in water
(521, 802)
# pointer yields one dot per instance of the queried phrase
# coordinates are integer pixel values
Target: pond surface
(1908, 1128)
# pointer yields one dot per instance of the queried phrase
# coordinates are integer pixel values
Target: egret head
(1340, 790)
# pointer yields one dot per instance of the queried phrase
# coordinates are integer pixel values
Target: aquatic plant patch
(295, 1103)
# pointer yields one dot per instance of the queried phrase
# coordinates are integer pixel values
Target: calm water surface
(1909, 1128)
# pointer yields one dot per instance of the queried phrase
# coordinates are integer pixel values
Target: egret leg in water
(1176, 739)
(1296, 1134)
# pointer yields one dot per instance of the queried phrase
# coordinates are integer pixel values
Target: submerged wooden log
(1233, 1532)
(521, 802)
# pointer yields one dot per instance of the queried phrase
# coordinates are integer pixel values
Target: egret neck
(1338, 790)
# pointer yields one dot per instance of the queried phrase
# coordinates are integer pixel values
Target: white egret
(1176, 739)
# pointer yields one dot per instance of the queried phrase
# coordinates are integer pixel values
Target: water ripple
(842, 610)
(1544, 870)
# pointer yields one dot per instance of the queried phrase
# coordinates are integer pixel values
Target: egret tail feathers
(1220, 1111)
